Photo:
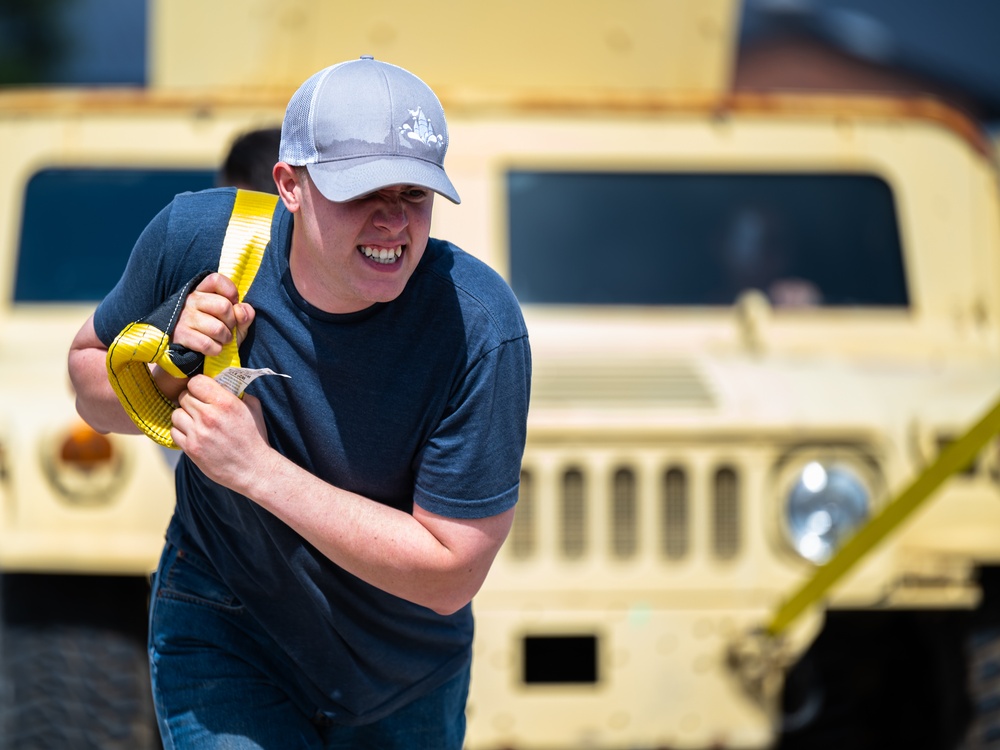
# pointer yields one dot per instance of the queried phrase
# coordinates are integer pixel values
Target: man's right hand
(210, 315)
(206, 323)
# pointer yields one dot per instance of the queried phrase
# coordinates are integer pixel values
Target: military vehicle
(756, 321)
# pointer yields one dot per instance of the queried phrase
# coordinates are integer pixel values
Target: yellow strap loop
(128, 371)
(141, 344)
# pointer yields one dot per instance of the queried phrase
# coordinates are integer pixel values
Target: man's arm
(96, 401)
(432, 560)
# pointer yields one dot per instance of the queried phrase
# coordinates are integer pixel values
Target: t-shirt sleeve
(135, 292)
(471, 466)
(181, 240)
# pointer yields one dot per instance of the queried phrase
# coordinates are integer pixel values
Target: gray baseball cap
(363, 125)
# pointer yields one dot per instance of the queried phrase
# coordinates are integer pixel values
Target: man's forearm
(436, 562)
(96, 401)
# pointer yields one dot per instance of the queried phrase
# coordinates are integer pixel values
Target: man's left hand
(221, 433)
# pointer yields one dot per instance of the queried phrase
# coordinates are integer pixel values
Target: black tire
(984, 665)
(984, 688)
(74, 673)
(74, 688)
(880, 679)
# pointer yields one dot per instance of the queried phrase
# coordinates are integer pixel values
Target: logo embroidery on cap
(419, 129)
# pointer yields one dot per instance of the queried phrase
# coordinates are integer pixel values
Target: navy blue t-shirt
(423, 399)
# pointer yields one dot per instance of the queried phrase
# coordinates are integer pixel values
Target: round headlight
(825, 504)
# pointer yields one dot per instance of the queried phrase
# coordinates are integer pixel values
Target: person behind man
(332, 528)
(250, 161)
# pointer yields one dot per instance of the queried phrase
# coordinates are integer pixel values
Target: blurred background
(942, 47)
(946, 48)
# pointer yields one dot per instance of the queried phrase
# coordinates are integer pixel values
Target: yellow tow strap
(141, 344)
(955, 457)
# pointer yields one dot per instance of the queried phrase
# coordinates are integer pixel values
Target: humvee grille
(582, 496)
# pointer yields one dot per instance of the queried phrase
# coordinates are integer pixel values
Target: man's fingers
(211, 305)
(216, 283)
(202, 332)
(244, 318)
(212, 328)
(205, 390)
(211, 313)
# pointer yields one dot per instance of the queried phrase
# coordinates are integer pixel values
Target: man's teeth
(383, 254)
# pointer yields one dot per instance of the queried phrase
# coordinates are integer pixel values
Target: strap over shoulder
(147, 341)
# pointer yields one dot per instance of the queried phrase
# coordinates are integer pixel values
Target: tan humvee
(754, 321)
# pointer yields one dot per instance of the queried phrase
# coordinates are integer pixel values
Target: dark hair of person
(250, 161)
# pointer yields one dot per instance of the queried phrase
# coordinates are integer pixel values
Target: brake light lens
(86, 467)
(86, 448)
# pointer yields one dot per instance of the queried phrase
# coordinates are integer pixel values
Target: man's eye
(415, 195)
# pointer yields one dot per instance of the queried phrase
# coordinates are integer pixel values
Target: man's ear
(287, 180)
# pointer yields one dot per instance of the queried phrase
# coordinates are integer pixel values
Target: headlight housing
(825, 502)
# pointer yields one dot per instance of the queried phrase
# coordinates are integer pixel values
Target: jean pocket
(186, 576)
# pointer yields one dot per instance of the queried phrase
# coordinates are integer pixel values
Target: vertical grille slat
(624, 515)
(574, 515)
(522, 532)
(675, 533)
(725, 514)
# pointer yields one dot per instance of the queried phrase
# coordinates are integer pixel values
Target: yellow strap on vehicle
(955, 457)
(141, 344)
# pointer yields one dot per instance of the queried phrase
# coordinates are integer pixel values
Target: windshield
(603, 238)
(79, 226)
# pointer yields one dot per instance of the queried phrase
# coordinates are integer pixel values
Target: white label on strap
(236, 379)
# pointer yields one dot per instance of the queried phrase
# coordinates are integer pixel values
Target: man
(331, 528)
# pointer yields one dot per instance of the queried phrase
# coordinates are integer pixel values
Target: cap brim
(342, 181)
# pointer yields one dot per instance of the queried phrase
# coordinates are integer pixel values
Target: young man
(331, 528)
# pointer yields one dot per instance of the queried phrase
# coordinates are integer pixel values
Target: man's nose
(391, 214)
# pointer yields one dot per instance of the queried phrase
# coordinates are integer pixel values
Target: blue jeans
(218, 681)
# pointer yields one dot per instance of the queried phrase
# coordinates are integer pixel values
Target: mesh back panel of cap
(297, 142)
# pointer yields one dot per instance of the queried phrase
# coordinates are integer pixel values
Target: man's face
(348, 256)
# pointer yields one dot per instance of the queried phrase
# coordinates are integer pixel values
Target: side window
(595, 238)
(79, 226)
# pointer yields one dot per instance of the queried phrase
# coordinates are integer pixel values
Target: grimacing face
(348, 256)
